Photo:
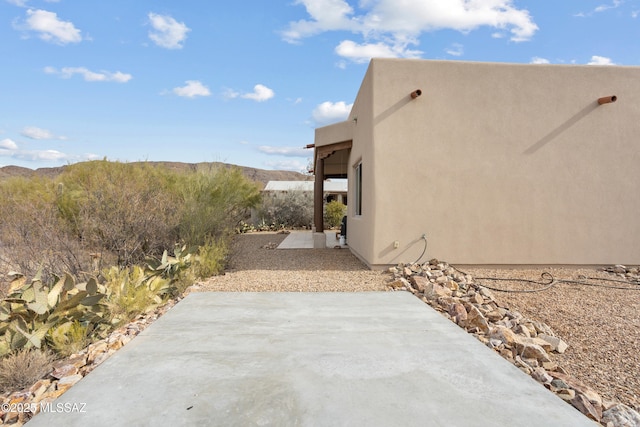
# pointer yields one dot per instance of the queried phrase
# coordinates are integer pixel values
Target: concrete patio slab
(307, 359)
(303, 239)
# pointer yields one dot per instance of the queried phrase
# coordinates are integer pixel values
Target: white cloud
(387, 27)
(8, 144)
(41, 155)
(363, 52)
(191, 89)
(600, 60)
(167, 32)
(284, 151)
(341, 64)
(538, 60)
(88, 75)
(33, 132)
(601, 8)
(604, 7)
(10, 149)
(50, 28)
(456, 49)
(260, 93)
(23, 3)
(289, 165)
(330, 112)
(230, 94)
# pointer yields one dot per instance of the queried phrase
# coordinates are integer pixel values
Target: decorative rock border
(525, 343)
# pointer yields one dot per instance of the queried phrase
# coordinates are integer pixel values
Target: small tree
(214, 201)
(334, 211)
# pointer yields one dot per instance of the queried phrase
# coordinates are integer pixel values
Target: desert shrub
(102, 213)
(23, 368)
(334, 211)
(210, 259)
(213, 203)
(69, 338)
(128, 209)
(290, 209)
(32, 235)
(244, 227)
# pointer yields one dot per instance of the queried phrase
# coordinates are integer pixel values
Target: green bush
(334, 212)
(210, 259)
(214, 201)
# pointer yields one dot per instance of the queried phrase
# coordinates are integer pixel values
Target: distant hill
(259, 175)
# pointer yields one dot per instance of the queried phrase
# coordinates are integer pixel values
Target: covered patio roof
(331, 160)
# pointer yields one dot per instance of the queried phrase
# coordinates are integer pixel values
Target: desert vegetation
(290, 209)
(287, 209)
(333, 213)
(88, 250)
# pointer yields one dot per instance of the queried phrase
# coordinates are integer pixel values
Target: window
(358, 189)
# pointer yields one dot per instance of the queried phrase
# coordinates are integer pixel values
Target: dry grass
(5, 268)
(23, 368)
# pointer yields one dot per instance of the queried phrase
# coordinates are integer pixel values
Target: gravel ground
(254, 268)
(601, 325)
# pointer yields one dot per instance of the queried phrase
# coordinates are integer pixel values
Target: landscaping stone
(557, 344)
(458, 312)
(476, 320)
(581, 403)
(541, 375)
(621, 415)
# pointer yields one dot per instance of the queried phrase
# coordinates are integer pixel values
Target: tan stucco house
(495, 164)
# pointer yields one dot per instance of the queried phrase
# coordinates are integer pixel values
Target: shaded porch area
(331, 160)
(305, 240)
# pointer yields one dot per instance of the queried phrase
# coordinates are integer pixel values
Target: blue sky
(247, 81)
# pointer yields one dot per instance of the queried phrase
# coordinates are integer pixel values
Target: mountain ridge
(255, 174)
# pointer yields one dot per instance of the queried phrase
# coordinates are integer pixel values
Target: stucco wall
(497, 163)
(360, 228)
